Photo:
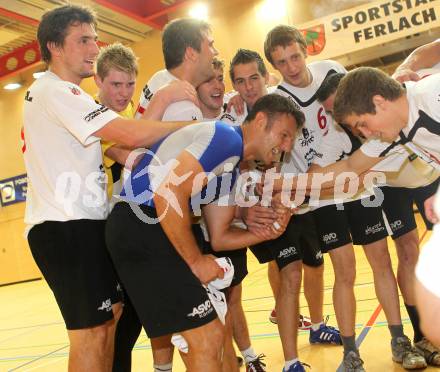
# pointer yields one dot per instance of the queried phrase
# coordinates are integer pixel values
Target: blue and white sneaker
(325, 335)
(296, 367)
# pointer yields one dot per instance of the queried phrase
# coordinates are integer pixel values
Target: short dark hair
(329, 86)
(180, 34)
(357, 89)
(283, 36)
(55, 23)
(118, 57)
(273, 105)
(244, 56)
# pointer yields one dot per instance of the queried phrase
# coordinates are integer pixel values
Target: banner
(368, 25)
(13, 190)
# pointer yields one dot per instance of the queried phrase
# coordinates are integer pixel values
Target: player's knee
(291, 276)
(346, 276)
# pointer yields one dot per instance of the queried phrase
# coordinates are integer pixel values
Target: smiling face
(290, 61)
(116, 89)
(76, 57)
(277, 136)
(249, 82)
(211, 94)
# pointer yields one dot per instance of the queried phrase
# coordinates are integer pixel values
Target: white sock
(289, 363)
(163, 367)
(249, 354)
(315, 326)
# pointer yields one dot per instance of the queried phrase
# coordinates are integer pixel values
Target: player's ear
(379, 101)
(261, 120)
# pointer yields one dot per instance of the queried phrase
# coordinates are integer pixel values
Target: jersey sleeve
(78, 112)
(217, 147)
(182, 111)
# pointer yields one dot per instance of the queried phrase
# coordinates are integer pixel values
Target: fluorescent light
(12, 86)
(199, 11)
(36, 75)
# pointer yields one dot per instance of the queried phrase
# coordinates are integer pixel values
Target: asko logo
(396, 225)
(202, 310)
(330, 237)
(287, 252)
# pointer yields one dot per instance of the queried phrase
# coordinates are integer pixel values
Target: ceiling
(126, 21)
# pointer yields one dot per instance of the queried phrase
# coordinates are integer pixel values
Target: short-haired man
(67, 205)
(406, 117)
(160, 189)
(188, 50)
(365, 224)
(286, 49)
(249, 78)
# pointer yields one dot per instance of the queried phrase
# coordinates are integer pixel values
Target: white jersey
(63, 159)
(177, 111)
(317, 124)
(421, 135)
(232, 118)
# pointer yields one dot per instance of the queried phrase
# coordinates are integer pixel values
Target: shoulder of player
(158, 80)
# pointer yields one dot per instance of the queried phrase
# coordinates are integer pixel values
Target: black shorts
(77, 267)
(167, 296)
(398, 207)
(354, 223)
(299, 242)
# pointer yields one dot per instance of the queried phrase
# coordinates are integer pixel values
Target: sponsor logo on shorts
(89, 117)
(374, 229)
(287, 252)
(318, 255)
(106, 305)
(202, 310)
(396, 225)
(330, 238)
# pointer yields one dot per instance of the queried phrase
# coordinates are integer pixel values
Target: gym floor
(33, 338)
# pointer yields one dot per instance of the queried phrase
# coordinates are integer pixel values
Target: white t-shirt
(422, 132)
(177, 111)
(63, 159)
(317, 124)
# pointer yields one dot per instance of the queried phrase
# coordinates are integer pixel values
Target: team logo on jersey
(307, 137)
(315, 39)
(75, 91)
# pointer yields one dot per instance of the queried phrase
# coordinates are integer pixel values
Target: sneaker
(429, 351)
(352, 363)
(304, 321)
(296, 367)
(256, 365)
(404, 353)
(240, 361)
(325, 335)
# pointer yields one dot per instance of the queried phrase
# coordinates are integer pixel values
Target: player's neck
(209, 113)
(402, 111)
(182, 72)
(64, 73)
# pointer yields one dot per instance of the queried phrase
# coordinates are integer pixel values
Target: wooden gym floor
(33, 338)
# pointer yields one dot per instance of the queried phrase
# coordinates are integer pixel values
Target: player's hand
(206, 269)
(429, 210)
(405, 74)
(237, 103)
(180, 90)
(258, 216)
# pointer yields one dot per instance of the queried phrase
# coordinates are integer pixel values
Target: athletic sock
(396, 331)
(249, 354)
(315, 326)
(415, 321)
(289, 363)
(163, 367)
(349, 344)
